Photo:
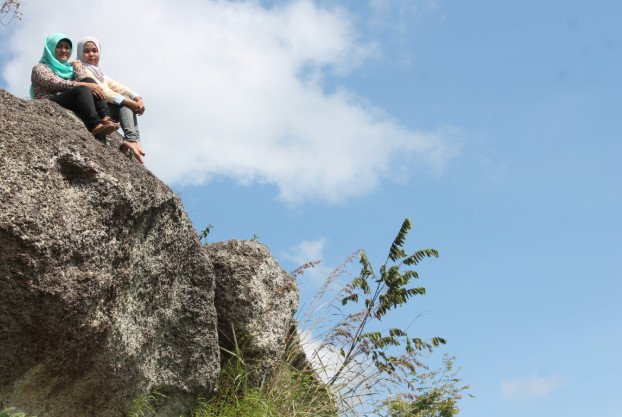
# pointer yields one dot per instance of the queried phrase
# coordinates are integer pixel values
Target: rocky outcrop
(106, 294)
(255, 299)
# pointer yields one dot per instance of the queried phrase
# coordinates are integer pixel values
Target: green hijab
(63, 70)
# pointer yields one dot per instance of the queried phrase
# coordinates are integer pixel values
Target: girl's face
(62, 52)
(90, 54)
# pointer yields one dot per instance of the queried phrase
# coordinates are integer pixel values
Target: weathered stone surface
(105, 292)
(255, 298)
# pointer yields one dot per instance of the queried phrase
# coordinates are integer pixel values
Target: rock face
(106, 293)
(255, 298)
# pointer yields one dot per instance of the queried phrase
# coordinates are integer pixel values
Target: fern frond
(351, 297)
(396, 252)
(418, 256)
(415, 291)
(366, 269)
(436, 341)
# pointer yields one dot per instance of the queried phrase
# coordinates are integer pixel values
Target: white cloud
(535, 386)
(403, 7)
(235, 89)
(309, 251)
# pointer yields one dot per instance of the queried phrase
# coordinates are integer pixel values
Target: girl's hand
(141, 106)
(132, 105)
(95, 89)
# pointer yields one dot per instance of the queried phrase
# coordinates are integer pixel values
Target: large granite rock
(105, 292)
(256, 301)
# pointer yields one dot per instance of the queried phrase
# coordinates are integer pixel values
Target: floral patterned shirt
(45, 83)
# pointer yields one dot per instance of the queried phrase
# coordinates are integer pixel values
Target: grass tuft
(12, 412)
(289, 391)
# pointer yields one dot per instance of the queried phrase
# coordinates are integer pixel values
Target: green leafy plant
(381, 293)
(363, 361)
(205, 233)
(436, 395)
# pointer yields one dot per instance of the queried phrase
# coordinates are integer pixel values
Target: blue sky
(494, 126)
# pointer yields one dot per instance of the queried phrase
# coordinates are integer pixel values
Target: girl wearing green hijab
(56, 79)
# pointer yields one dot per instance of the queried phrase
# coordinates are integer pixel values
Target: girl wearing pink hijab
(123, 102)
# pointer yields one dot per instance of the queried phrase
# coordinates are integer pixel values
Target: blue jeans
(127, 118)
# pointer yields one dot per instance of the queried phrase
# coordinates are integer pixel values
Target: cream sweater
(114, 91)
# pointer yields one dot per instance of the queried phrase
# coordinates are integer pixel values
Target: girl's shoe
(108, 121)
(103, 129)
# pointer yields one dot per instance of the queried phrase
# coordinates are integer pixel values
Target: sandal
(103, 129)
(109, 121)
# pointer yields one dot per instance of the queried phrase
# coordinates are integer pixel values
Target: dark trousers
(84, 104)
